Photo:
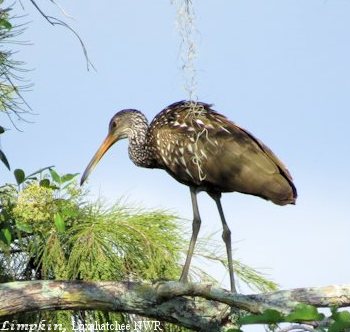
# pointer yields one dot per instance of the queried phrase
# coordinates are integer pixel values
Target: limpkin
(205, 151)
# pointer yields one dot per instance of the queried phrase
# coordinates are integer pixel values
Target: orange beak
(106, 144)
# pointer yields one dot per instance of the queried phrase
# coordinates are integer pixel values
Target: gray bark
(196, 306)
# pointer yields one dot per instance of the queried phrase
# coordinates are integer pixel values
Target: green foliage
(47, 218)
(35, 206)
(269, 316)
(340, 321)
(304, 313)
(301, 313)
(59, 223)
(5, 235)
(19, 176)
(124, 243)
(4, 23)
(49, 230)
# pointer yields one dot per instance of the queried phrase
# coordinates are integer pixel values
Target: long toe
(184, 278)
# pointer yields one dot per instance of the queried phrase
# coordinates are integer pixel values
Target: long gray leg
(226, 236)
(195, 230)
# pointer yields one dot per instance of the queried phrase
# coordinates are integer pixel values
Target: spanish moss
(186, 26)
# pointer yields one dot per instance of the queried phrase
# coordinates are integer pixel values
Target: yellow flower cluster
(35, 204)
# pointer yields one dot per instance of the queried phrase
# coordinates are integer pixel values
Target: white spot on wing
(189, 173)
(183, 160)
(209, 126)
(224, 129)
(204, 154)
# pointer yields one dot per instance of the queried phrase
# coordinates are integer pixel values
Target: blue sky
(281, 69)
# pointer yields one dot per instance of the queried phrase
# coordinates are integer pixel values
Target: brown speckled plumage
(205, 151)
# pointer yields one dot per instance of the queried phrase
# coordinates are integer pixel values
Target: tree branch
(169, 301)
(55, 21)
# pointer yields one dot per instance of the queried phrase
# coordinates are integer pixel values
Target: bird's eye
(114, 124)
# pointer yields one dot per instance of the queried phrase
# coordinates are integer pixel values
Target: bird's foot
(233, 288)
(184, 277)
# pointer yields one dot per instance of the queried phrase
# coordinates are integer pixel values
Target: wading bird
(205, 151)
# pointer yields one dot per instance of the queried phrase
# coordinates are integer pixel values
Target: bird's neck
(138, 149)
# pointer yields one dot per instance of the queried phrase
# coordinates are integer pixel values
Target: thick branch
(283, 301)
(169, 301)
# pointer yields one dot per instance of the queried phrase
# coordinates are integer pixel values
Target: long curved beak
(106, 144)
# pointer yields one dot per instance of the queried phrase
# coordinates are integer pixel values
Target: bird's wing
(207, 150)
(241, 162)
(237, 131)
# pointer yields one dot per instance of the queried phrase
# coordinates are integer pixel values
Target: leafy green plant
(301, 313)
(46, 216)
(49, 230)
(304, 318)
(340, 321)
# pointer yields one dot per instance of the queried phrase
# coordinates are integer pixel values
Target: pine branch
(168, 301)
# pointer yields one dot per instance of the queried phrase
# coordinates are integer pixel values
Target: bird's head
(120, 127)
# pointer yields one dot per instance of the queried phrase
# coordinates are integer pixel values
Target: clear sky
(281, 69)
